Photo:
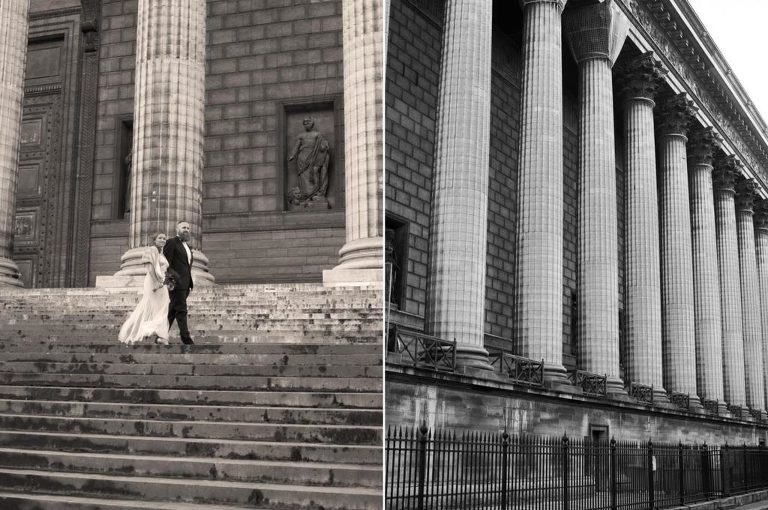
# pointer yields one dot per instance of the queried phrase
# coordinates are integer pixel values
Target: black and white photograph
(576, 254)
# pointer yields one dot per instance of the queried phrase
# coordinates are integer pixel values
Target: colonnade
(169, 124)
(696, 254)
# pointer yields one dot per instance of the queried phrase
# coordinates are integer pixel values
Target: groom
(179, 256)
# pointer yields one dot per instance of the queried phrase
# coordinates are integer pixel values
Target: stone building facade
(581, 185)
(139, 114)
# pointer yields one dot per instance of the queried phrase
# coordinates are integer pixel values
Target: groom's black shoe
(187, 341)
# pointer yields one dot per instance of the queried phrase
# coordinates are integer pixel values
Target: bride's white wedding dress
(151, 314)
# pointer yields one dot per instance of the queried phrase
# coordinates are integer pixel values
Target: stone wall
(462, 403)
(268, 64)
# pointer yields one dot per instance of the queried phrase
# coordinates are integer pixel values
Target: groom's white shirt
(189, 252)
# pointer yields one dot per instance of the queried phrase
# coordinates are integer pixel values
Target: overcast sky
(740, 31)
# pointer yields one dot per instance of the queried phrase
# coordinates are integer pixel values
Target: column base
(131, 266)
(9, 273)
(339, 277)
(694, 404)
(360, 265)
(615, 390)
(556, 379)
(469, 359)
(365, 253)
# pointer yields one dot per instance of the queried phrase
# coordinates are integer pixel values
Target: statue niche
(312, 153)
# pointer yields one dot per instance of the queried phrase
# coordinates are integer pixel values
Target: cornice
(672, 29)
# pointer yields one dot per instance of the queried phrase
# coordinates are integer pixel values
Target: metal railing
(594, 385)
(681, 400)
(520, 370)
(422, 350)
(736, 411)
(711, 406)
(641, 392)
(479, 470)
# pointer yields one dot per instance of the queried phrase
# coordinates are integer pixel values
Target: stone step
(53, 327)
(96, 302)
(145, 488)
(144, 395)
(195, 447)
(250, 414)
(111, 346)
(19, 501)
(290, 370)
(259, 471)
(218, 314)
(329, 434)
(278, 358)
(234, 337)
(370, 384)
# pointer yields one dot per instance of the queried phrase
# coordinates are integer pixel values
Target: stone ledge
(752, 501)
(353, 277)
(499, 385)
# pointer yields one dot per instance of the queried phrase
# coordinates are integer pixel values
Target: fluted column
(730, 287)
(539, 268)
(361, 256)
(678, 326)
(167, 177)
(706, 278)
(596, 34)
(456, 298)
(639, 80)
(750, 295)
(13, 56)
(761, 248)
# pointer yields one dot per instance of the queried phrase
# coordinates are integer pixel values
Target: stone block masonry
(259, 57)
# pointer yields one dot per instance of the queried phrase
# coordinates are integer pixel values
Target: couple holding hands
(166, 287)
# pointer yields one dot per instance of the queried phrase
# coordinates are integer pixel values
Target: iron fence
(478, 470)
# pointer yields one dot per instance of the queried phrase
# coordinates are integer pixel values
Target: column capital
(639, 77)
(675, 114)
(595, 30)
(702, 143)
(560, 3)
(746, 194)
(761, 214)
(725, 174)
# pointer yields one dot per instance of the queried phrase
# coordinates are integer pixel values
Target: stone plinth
(13, 41)
(456, 288)
(539, 269)
(706, 280)
(166, 180)
(363, 140)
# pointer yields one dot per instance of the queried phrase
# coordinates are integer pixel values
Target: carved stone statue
(312, 153)
(128, 176)
(391, 267)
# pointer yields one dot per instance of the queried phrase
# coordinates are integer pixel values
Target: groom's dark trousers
(181, 268)
(177, 310)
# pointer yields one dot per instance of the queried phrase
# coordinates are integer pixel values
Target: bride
(150, 318)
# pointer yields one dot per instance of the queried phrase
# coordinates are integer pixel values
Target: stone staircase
(277, 406)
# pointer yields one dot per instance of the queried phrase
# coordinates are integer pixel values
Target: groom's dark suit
(180, 267)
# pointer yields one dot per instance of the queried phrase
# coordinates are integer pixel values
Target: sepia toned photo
(191, 246)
